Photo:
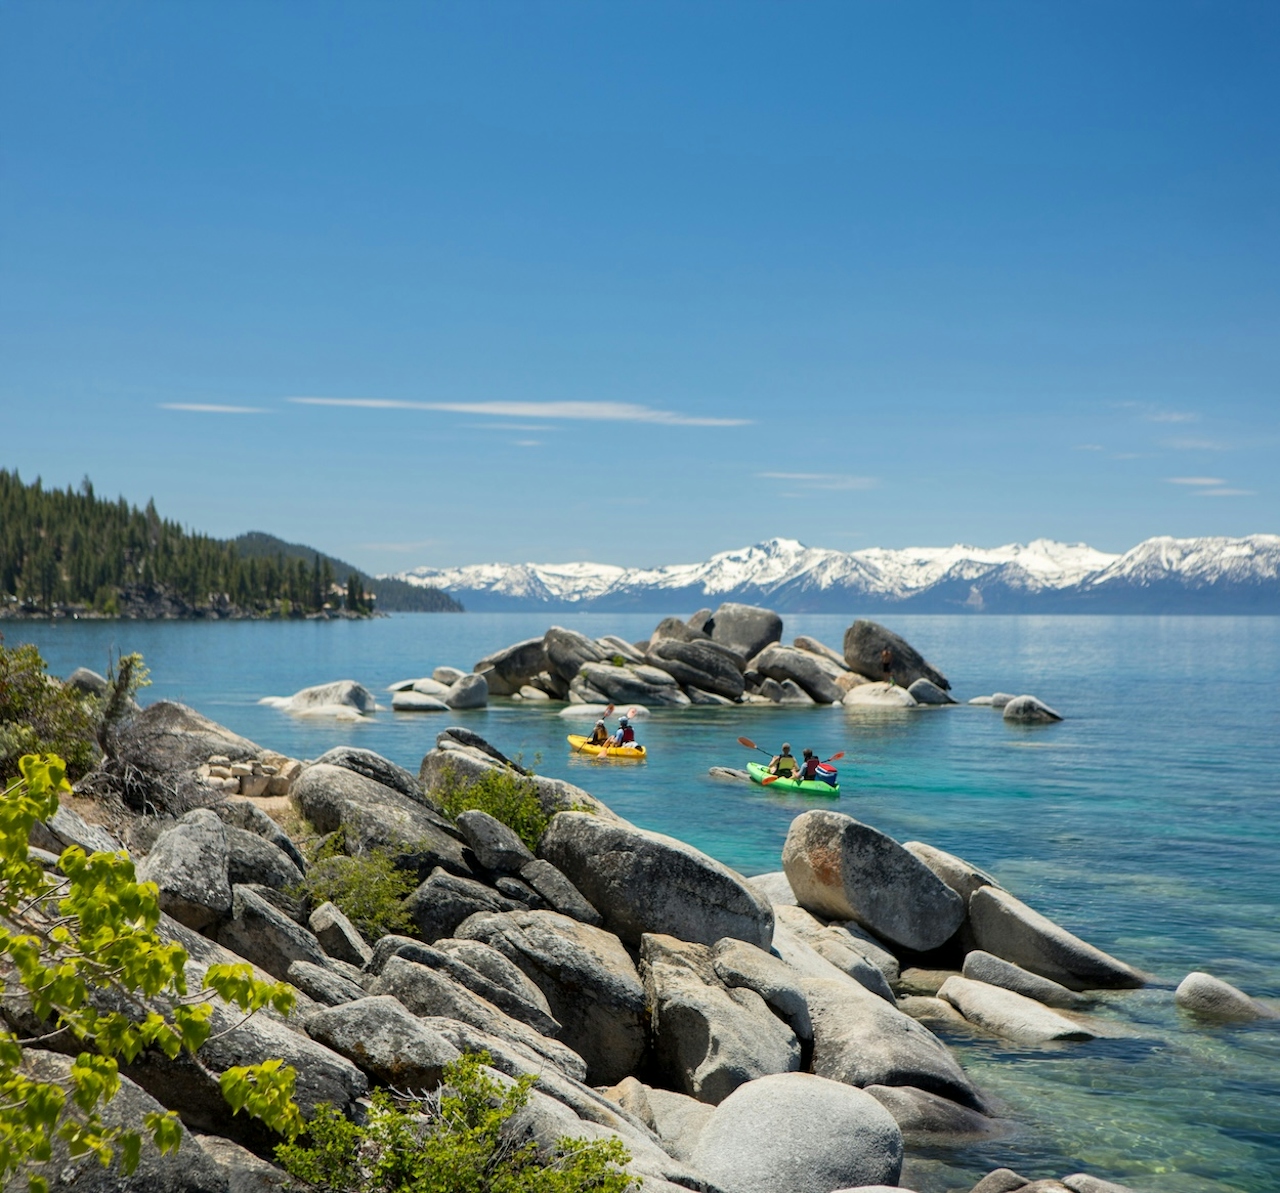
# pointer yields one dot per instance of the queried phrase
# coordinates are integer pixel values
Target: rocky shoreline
(764, 1035)
(732, 655)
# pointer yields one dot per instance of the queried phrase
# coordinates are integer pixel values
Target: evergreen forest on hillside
(69, 550)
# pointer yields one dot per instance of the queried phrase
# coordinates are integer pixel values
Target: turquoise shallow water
(1148, 821)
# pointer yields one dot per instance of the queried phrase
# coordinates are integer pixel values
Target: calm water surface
(1148, 821)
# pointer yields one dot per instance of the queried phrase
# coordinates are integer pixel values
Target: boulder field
(738, 1036)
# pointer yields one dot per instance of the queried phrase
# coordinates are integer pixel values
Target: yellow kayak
(580, 743)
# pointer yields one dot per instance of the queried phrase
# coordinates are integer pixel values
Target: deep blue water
(1148, 821)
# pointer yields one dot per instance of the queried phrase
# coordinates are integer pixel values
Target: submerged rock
(1006, 1013)
(1027, 710)
(1212, 997)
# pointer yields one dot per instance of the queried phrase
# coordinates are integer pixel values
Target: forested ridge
(68, 549)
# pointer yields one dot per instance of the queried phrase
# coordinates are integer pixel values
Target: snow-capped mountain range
(1160, 575)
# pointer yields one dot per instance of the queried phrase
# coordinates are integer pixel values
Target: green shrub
(369, 890)
(504, 794)
(454, 1141)
(38, 715)
(81, 947)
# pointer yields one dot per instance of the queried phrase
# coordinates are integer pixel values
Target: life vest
(626, 735)
(786, 764)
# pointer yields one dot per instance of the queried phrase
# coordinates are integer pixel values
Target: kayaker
(625, 736)
(599, 735)
(809, 766)
(784, 765)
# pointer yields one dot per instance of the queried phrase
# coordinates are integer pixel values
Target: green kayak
(759, 772)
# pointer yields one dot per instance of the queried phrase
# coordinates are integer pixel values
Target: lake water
(1148, 821)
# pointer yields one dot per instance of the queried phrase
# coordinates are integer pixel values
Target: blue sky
(442, 284)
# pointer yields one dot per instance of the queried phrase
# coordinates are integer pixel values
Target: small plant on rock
(504, 794)
(369, 890)
(458, 1140)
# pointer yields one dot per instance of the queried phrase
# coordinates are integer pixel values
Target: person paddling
(784, 765)
(599, 735)
(625, 736)
(809, 765)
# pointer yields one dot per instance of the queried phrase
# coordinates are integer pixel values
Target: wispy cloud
(626, 412)
(508, 426)
(1089, 447)
(1225, 493)
(1171, 416)
(1195, 445)
(206, 408)
(527, 442)
(1195, 480)
(829, 481)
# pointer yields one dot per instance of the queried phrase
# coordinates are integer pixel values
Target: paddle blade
(608, 709)
(769, 779)
(836, 756)
(746, 741)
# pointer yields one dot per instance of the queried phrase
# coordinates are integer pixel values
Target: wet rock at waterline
(983, 967)
(843, 869)
(878, 695)
(1215, 999)
(1005, 1013)
(342, 697)
(1027, 710)
(471, 691)
(925, 691)
(417, 702)
(1009, 929)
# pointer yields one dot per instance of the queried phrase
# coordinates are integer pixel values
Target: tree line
(70, 547)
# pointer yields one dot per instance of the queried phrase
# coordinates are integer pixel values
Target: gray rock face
(929, 1120)
(447, 675)
(812, 672)
(507, 670)
(700, 696)
(374, 816)
(428, 686)
(1213, 998)
(496, 846)
(774, 885)
(925, 691)
(486, 960)
(675, 630)
(589, 980)
(245, 1172)
(1008, 1014)
(861, 1039)
(260, 933)
(1027, 710)
(382, 1038)
(740, 964)
(417, 702)
(90, 683)
(376, 767)
(1082, 1182)
(509, 998)
(187, 1170)
(189, 864)
(844, 869)
(471, 691)
(167, 737)
(799, 1133)
(959, 875)
(709, 1038)
(700, 663)
(878, 695)
(1011, 930)
(864, 645)
(983, 967)
(427, 991)
(444, 900)
(342, 692)
(644, 882)
(634, 685)
(1000, 1180)
(250, 858)
(567, 651)
(65, 828)
(790, 692)
(338, 936)
(328, 988)
(821, 649)
(864, 963)
(746, 629)
(560, 894)
(620, 647)
(245, 814)
(678, 1121)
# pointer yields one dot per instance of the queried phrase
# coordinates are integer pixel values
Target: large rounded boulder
(811, 672)
(700, 664)
(864, 645)
(799, 1133)
(567, 651)
(642, 882)
(746, 629)
(843, 869)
